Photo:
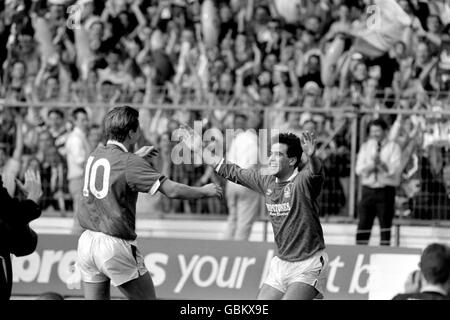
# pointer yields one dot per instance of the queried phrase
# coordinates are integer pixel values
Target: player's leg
(141, 288)
(273, 288)
(306, 280)
(269, 293)
(300, 291)
(248, 202)
(124, 265)
(96, 286)
(366, 216)
(97, 291)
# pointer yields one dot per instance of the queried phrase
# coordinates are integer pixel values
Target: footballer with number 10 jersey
(112, 181)
(113, 177)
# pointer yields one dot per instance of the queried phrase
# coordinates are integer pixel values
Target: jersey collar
(290, 178)
(117, 143)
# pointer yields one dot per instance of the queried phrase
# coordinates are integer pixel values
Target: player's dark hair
(435, 263)
(294, 147)
(77, 111)
(119, 121)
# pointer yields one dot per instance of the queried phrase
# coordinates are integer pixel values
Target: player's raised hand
(213, 190)
(308, 143)
(147, 152)
(32, 186)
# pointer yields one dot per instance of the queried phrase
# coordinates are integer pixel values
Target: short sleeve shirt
(112, 180)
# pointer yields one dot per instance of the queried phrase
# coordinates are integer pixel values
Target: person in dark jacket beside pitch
(16, 236)
(432, 282)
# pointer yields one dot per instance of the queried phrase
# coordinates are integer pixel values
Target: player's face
(278, 160)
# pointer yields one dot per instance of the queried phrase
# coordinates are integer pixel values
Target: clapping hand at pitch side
(308, 143)
(32, 186)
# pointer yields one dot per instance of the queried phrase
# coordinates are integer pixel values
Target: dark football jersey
(112, 180)
(292, 207)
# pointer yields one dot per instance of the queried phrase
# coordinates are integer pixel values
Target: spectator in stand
(26, 48)
(311, 95)
(343, 23)
(432, 201)
(95, 136)
(115, 71)
(408, 135)
(56, 127)
(7, 127)
(10, 166)
(228, 26)
(16, 82)
(318, 9)
(332, 199)
(379, 166)
(292, 123)
(49, 164)
(434, 275)
(311, 72)
(77, 150)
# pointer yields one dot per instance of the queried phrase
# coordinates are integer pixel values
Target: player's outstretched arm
(249, 178)
(177, 190)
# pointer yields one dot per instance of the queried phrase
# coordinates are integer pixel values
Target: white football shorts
(312, 271)
(102, 257)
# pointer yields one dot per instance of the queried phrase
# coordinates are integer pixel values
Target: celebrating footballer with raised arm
(299, 269)
(113, 177)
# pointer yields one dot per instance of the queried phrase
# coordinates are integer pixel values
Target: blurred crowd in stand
(247, 56)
